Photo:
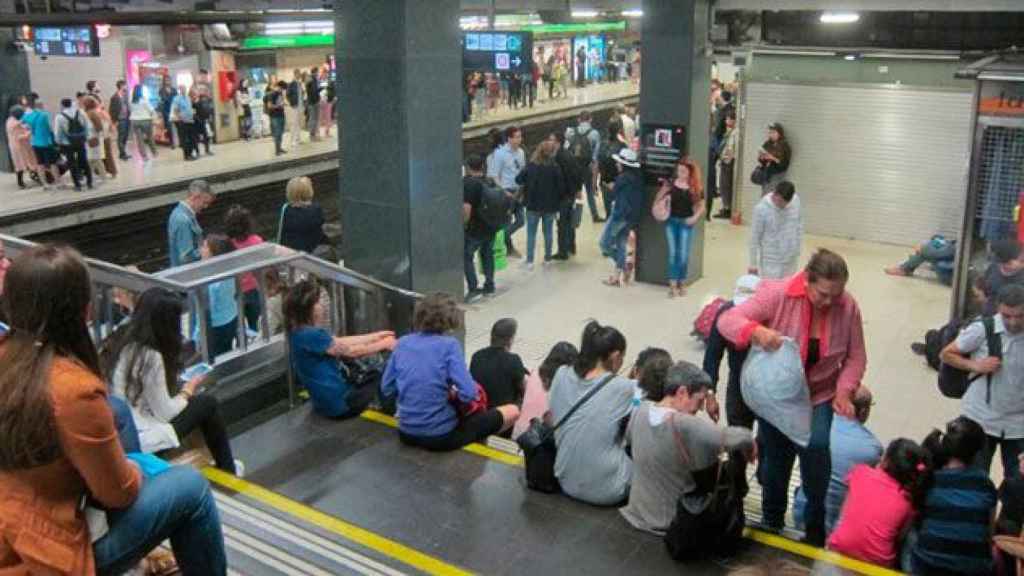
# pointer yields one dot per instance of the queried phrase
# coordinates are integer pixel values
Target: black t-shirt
(472, 194)
(274, 104)
(302, 227)
(501, 373)
(682, 203)
(1011, 515)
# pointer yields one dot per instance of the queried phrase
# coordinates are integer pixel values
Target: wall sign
(497, 51)
(66, 41)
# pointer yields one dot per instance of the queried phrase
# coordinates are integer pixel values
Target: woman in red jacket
(814, 309)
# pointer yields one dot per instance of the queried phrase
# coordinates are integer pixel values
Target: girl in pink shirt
(239, 226)
(535, 399)
(880, 504)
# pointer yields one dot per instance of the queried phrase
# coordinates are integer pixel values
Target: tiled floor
(553, 303)
(169, 166)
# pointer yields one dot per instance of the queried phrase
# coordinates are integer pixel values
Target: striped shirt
(954, 535)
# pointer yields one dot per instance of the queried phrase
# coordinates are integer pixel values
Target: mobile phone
(200, 369)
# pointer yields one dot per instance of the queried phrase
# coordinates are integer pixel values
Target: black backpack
(581, 148)
(76, 129)
(605, 163)
(293, 94)
(953, 382)
(494, 205)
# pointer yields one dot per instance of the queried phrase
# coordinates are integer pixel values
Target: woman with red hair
(685, 197)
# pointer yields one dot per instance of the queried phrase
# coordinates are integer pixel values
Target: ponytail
(962, 441)
(597, 344)
(910, 465)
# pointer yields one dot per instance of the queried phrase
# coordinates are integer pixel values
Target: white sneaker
(527, 266)
(239, 468)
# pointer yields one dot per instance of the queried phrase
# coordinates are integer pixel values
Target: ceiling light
(585, 14)
(850, 57)
(633, 13)
(839, 17)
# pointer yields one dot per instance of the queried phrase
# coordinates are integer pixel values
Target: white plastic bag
(775, 388)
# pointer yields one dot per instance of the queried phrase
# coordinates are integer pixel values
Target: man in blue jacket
(184, 234)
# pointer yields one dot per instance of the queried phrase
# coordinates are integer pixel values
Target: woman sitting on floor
(535, 400)
(670, 442)
(315, 354)
(426, 369)
(142, 363)
(592, 464)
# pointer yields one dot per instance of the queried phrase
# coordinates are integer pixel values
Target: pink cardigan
(783, 306)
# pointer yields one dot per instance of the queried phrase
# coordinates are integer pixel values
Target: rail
(357, 304)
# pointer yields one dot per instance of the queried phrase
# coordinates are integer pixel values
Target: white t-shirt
(155, 407)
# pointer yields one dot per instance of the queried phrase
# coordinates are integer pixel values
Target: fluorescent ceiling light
(584, 13)
(839, 17)
(633, 13)
(850, 57)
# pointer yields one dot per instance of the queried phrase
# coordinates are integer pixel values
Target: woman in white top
(141, 118)
(142, 364)
(243, 105)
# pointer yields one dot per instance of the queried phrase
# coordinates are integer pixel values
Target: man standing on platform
(776, 233)
(293, 112)
(184, 234)
(479, 234)
(120, 112)
(509, 160)
(584, 142)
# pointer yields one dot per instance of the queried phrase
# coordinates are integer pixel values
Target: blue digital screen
(66, 41)
(497, 51)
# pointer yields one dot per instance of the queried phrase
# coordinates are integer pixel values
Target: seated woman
(535, 400)
(142, 363)
(425, 370)
(592, 464)
(60, 444)
(955, 530)
(880, 503)
(315, 354)
(660, 431)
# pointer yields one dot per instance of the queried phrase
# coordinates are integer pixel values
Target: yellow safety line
(389, 548)
(759, 536)
(475, 448)
(814, 553)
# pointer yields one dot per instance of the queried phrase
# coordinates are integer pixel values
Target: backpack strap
(280, 222)
(994, 343)
(590, 394)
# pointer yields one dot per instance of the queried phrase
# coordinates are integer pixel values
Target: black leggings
(475, 427)
(203, 412)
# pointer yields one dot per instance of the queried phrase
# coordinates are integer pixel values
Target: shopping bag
(774, 386)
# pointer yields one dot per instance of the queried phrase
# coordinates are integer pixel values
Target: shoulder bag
(718, 528)
(662, 208)
(280, 222)
(759, 176)
(538, 445)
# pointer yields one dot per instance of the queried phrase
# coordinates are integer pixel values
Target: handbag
(467, 409)
(539, 449)
(759, 176)
(662, 207)
(718, 528)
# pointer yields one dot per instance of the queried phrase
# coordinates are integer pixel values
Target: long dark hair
(910, 465)
(596, 345)
(155, 326)
(47, 295)
(561, 354)
(136, 93)
(299, 302)
(963, 439)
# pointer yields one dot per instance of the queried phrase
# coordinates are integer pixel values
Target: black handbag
(760, 175)
(539, 450)
(718, 528)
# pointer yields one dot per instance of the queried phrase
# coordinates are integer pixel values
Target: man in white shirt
(776, 233)
(628, 125)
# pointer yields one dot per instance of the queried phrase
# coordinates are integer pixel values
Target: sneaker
(918, 348)
(513, 253)
(473, 296)
(239, 468)
(488, 292)
(560, 256)
(528, 266)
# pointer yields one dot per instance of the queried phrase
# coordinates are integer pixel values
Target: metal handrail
(374, 304)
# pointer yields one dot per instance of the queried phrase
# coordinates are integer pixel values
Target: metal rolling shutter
(876, 163)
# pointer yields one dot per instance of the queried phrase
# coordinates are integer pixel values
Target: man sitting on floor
(498, 370)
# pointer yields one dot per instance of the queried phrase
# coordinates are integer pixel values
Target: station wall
(55, 77)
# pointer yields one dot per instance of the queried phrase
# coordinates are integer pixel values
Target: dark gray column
(674, 89)
(14, 71)
(400, 124)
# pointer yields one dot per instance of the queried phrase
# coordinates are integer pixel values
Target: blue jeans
(277, 131)
(531, 233)
(1009, 449)
(486, 248)
(176, 504)
(588, 183)
(678, 235)
(613, 241)
(776, 453)
(518, 220)
(125, 424)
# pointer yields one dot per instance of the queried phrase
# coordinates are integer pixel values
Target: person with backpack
(584, 143)
(203, 105)
(567, 205)
(484, 212)
(293, 111)
(71, 136)
(996, 402)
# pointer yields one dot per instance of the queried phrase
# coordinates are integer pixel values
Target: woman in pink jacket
(813, 309)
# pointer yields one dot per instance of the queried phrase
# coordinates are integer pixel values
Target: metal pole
(491, 14)
(243, 335)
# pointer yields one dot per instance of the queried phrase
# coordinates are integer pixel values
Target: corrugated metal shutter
(882, 164)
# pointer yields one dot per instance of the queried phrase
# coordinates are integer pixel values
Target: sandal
(160, 562)
(612, 281)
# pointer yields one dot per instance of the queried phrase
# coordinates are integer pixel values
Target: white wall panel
(57, 77)
(876, 163)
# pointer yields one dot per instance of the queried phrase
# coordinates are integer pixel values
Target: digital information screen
(497, 51)
(662, 145)
(66, 41)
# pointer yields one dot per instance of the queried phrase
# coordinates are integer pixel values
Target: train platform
(141, 185)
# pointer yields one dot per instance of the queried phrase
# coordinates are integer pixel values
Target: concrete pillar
(400, 124)
(674, 89)
(14, 71)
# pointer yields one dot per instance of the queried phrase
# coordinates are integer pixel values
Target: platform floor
(170, 167)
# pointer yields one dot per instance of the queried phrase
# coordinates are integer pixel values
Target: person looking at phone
(775, 155)
(814, 309)
(142, 363)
